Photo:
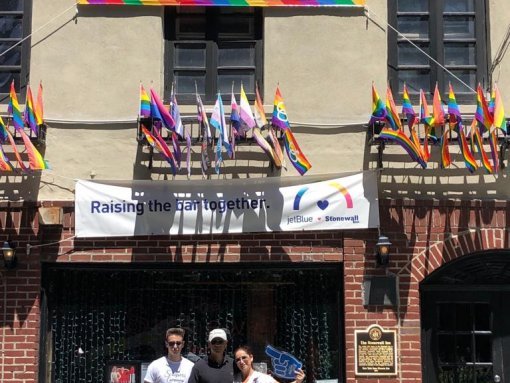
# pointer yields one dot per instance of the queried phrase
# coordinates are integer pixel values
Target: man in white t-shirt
(172, 368)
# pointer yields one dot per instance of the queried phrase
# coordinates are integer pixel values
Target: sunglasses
(217, 341)
(244, 357)
(173, 344)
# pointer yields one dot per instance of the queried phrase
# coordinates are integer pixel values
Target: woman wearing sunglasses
(244, 362)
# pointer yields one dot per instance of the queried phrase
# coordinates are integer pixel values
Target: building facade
(73, 305)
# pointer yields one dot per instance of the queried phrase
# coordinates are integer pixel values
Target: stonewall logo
(323, 214)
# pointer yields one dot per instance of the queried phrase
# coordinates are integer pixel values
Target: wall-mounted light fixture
(9, 255)
(383, 250)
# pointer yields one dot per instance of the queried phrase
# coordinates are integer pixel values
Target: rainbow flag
(378, 107)
(469, 160)
(400, 138)
(29, 114)
(499, 111)
(407, 109)
(5, 164)
(296, 156)
(17, 118)
(241, 3)
(35, 159)
(454, 116)
(145, 103)
(39, 107)
(6, 135)
(428, 121)
(476, 142)
(392, 117)
(493, 143)
(437, 109)
(158, 143)
(279, 118)
(258, 107)
(482, 114)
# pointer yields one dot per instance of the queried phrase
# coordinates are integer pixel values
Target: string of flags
(32, 119)
(242, 121)
(439, 125)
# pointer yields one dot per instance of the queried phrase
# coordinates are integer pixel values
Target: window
(14, 26)
(211, 48)
(450, 31)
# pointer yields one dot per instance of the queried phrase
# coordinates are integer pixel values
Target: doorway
(466, 321)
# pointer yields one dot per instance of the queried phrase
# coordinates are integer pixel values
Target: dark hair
(175, 331)
(246, 349)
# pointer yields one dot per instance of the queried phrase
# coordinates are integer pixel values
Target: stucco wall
(323, 59)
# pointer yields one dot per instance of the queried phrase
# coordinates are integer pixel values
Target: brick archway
(456, 246)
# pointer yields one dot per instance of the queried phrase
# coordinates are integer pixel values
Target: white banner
(105, 209)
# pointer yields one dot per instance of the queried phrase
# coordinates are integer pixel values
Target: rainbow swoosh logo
(323, 204)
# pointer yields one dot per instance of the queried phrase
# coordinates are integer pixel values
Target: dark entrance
(97, 314)
(466, 321)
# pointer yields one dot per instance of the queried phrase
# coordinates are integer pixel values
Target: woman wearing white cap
(244, 362)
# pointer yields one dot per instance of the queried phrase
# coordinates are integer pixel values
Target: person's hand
(284, 364)
(300, 375)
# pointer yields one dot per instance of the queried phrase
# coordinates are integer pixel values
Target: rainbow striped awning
(232, 3)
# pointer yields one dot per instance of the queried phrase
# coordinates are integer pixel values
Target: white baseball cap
(217, 333)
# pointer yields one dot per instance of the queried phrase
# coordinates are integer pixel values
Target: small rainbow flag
(437, 109)
(29, 114)
(6, 135)
(499, 111)
(279, 118)
(35, 159)
(476, 141)
(17, 118)
(378, 107)
(400, 138)
(482, 113)
(469, 160)
(5, 164)
(407, 108)
(145, 103)
(158, 143)
(392, 117)
(296, 156)
(39, 107)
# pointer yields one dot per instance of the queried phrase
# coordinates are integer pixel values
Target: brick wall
(425, 234)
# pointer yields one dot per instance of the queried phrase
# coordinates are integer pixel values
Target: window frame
(436, 41)
(213, 40)
(23, 67)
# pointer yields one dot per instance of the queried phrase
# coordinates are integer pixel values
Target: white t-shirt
(259, 377)
(163, 370)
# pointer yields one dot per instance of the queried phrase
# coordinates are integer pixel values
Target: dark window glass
(446, 317)
(11, 5)
(459, 6)
(413, 5)
(482, 317)
(446, 348)
(463, 317)
(483, 347)
(452, 32)
(464, 349)
(214, 47)
(413, 26)
(14, 26)
(408, 54)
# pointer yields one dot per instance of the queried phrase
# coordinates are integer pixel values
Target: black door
(465, 334)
